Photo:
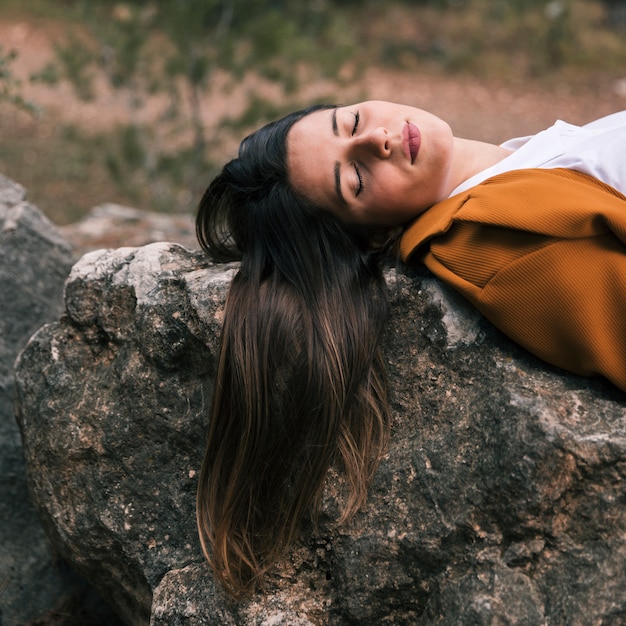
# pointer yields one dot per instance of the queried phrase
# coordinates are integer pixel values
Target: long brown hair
(300, 383)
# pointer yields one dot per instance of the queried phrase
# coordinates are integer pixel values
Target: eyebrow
(335, 127)
(338, 184)
(337, 164)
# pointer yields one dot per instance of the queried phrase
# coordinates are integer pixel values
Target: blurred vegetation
(177, 49)
(10, 85)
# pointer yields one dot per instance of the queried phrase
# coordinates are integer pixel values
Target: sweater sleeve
(543, 256)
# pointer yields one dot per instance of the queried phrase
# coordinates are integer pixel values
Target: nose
(373, 142)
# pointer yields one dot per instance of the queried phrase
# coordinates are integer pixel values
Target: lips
(411, 141)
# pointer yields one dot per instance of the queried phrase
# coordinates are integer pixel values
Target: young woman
(533, 232)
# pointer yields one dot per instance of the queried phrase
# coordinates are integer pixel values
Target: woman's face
(373, 163)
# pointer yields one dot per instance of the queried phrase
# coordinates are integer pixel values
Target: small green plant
(75, 58)
(10, 85)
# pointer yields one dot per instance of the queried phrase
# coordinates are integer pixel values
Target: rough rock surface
(34, 262)
(501, 499)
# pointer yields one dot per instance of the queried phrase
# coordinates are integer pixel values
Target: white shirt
(597, 148)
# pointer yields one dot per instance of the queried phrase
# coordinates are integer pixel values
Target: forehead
(310, 157)
(313, 123)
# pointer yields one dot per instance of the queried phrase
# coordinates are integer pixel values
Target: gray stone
(500, 501)
(34, 263)
(111, 225)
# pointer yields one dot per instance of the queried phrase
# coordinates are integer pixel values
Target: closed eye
(360, 179)
(357, 118)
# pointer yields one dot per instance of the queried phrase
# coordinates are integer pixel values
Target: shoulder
(535, 200)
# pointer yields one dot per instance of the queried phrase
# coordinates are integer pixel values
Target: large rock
(34, 263)
(35, 584)
(501, 499)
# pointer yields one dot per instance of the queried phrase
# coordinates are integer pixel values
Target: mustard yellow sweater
(542, 254)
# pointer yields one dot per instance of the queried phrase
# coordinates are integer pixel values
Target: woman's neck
(471, 157)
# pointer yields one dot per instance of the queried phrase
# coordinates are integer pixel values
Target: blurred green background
(140, 102)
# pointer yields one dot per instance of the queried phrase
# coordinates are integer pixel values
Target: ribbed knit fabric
(542, 254)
